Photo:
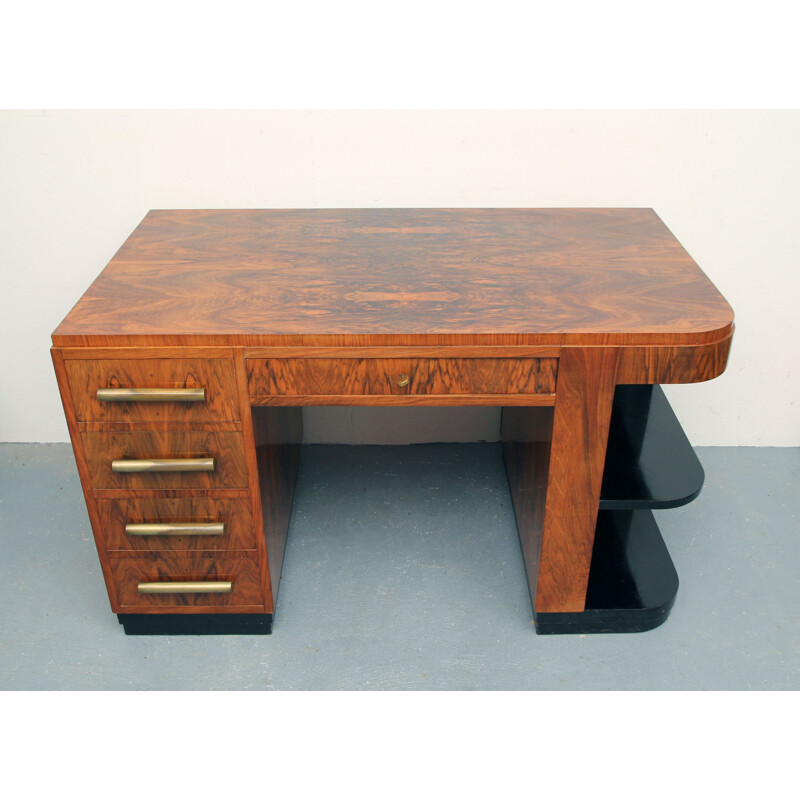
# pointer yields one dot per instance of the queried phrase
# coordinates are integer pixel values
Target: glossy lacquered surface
(632, 582)
(196, 624)
(649, 461)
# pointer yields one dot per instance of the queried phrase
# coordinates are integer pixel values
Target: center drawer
(108, 452)
(400, 376)
(176, 523)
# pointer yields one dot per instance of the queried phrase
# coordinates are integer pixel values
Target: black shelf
(649, 461)
(650, 464)
(632, 580)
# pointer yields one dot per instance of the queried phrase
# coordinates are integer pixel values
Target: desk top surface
(399, 277)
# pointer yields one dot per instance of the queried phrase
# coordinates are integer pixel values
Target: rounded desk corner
(678, 363)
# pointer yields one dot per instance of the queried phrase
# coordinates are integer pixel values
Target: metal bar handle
(152, 395)
(186, 587)
(163, 465)
(175, 529)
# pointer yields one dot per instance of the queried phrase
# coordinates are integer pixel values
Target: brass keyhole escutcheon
(403, 380)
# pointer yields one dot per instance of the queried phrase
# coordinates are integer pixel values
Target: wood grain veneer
(399, 277)
(686, 364)
(584, 397)
(278, 434)
(254, 482)
(331, 376)
(527, 435)
(103, 447)
(373, 376)
(491, 376)
(403, 400)
(542, 312)
(415, 351)
(84, 473)
(116, 513)
(214, 375)
(241, 570)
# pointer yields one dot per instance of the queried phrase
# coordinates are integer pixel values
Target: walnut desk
(184, 368)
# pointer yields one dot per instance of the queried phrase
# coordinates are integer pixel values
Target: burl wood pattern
(103, 447)
(491, 375)
(235, 512)
(214, 375)
(329, 376)
(262, 482)
(399, 277)
(510, 307)
(241, 570)
(358, 376)
(584, 397)
(83, 472)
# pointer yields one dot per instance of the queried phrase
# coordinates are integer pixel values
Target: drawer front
(103, 448)
(335, 376)
(396, 376)
(491, 375)
(199, 523)
(215, 376)
(148, 582)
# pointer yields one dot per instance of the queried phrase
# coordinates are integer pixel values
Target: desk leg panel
(527, 435)
(278, 436)
(272, 440)
(632, 584)
(584, 399)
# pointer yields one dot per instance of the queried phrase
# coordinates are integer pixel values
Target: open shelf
(632, 580)
(649, 461)
(649, 464)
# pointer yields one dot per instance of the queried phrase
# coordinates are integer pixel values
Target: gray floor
(403, 571)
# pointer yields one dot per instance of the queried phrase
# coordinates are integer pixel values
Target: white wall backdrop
(74, 184)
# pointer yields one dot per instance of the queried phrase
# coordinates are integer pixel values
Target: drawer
(336, 376)
(188, 390)
(160, 582)
(492, 375)
(199, 523)
(226, 471)
(401, 376)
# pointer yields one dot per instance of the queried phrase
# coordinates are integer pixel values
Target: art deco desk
(184, 368)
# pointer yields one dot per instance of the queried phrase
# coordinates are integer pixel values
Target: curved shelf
(632, 580)
(649, 461)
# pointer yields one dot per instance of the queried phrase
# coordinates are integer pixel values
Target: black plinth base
(195, 624)
(632, 580)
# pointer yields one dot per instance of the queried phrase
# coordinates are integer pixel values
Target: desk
(184, 368)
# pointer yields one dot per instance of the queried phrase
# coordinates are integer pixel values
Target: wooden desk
(564, 317)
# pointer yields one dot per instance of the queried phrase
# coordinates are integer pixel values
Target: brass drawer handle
(175, 529)
(163, 465)
(187, 587)
(152, 395)
(403, 380)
